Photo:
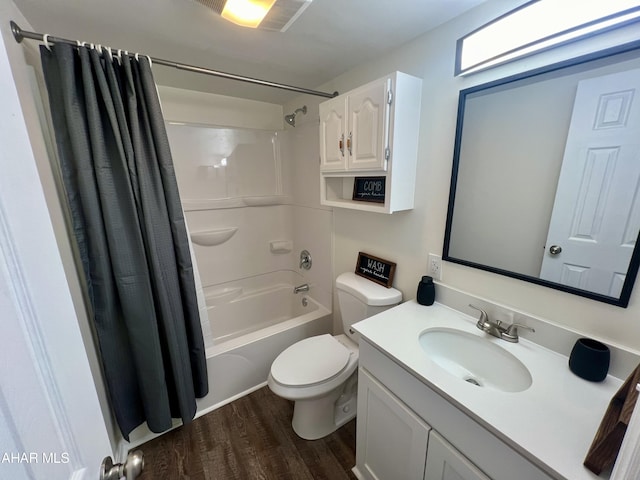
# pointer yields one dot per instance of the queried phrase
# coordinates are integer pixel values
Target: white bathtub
(251, 323)
(249, 330)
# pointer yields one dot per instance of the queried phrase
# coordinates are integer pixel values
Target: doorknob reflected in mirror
(555, 249)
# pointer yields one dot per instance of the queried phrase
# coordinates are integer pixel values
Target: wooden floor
(251, 438)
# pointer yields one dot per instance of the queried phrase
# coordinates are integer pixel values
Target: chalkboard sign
(369, 189)
(375, 269)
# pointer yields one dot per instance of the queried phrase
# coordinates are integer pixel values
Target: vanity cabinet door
(333, 141)
(446, 463)
(391, 440)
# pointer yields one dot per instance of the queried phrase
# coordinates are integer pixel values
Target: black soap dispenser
(426, 291)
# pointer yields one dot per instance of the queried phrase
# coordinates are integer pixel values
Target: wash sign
(375, 269)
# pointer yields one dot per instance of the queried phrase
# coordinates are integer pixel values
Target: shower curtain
(128, 223)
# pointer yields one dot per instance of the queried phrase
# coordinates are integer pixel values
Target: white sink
(475, 359)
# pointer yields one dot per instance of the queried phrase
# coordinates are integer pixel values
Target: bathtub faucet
(301, 288)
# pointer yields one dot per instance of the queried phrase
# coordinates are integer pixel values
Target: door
(367, 138)
(51, 423)
(444, 462)
(596, 214)
(391, 440)
(333, 147)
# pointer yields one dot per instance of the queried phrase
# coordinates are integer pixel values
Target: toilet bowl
(320, 373)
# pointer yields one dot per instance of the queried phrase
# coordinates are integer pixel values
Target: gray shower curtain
(127, 220)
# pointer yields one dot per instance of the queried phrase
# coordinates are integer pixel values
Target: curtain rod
(20, 35)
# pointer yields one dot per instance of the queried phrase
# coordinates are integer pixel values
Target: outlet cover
(434, 267)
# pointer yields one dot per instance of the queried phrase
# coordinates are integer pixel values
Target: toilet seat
(310, 361)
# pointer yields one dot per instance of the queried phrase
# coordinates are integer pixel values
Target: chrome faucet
(301, 288)
(497, 329)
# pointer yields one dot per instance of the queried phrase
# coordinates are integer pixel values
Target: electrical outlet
(435, 266)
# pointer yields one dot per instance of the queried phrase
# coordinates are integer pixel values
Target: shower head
(291, 119)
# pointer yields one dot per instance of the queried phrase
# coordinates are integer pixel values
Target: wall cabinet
(406, 430)
(371, 131)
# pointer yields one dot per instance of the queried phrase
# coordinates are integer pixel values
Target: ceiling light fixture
(247, 13)
(272, 15)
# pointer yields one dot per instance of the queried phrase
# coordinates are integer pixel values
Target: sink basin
(475, 359)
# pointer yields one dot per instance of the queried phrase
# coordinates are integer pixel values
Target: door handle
(555, 249)
(130, 469)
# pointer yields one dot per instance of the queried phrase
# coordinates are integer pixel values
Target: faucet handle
(484, 318)
(511, 333)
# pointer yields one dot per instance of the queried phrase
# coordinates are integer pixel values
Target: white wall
(407, 237)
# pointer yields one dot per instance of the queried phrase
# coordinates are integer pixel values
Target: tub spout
(301, 288)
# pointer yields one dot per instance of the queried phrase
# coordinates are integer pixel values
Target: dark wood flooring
(250, 438)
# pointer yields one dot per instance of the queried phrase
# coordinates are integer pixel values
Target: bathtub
(251, 322)
(249, 329)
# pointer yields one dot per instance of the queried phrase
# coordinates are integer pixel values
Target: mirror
(546, 176)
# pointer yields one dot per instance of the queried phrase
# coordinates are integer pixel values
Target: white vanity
(419, 419)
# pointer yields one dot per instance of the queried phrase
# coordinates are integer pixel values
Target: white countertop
(552, 423)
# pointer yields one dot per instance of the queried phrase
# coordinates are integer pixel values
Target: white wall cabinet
(392, 440)
(371, 131)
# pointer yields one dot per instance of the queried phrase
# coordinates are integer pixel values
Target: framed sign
(375, 269)
(369, 189)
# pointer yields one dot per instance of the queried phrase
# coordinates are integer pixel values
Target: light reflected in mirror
(546, 176)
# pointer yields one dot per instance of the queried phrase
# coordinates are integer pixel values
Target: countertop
(552, 423)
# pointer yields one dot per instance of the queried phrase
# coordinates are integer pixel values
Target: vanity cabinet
(444, 462)
(392, 440)
(371, 131)
(406, 430)
(394, 443)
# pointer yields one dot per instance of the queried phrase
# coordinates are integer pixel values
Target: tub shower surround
(247, 247)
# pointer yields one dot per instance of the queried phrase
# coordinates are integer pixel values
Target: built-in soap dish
(210, 238)
(281, 246)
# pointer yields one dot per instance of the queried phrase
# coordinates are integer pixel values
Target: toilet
(320, 373)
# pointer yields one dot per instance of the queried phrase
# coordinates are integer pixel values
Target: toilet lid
(309, 361)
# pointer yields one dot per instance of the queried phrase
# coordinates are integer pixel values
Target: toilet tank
(360, 298)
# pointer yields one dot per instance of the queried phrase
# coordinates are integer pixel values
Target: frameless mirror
(546, 176)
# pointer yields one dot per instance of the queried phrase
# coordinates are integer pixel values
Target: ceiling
(329, 38)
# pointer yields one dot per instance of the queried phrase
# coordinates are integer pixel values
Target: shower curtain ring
(45, 40)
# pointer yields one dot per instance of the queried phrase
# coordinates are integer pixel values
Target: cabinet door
(333, 148)
(446, 463)
(391, 439)
(367, 138)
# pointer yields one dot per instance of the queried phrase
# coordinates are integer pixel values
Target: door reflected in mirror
(546, 176)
